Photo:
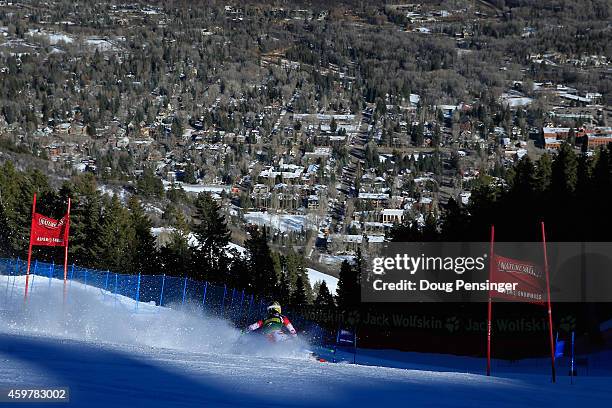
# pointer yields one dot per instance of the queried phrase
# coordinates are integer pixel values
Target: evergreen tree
(601, 171)
(544, 172)
(430, 230)
(524, 181)
(294, 268)
(115, 238)
(584, 176)
(571, 136)
(7, 234)
(86, 225)
(417, 135)
(325, 299)
(149, 185)
(333, 125)
(298, 297)
(454, 221)
(284, 290)
(176, 256)
(261, 266)
(190, 176)
(143, 250)
(348, 288)
(564, 172)
(213, 237)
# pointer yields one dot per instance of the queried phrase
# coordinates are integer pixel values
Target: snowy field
(110, 356)
(281, 222)
(316, 276)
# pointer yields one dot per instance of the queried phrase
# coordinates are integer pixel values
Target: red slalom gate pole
(66, 236)
(25, 295)
(550, 328)
(490, 306)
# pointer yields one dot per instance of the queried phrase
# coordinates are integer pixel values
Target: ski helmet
(274, 308)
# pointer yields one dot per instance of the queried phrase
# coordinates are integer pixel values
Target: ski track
(118, 369)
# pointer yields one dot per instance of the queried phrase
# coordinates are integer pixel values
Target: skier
(272, 326)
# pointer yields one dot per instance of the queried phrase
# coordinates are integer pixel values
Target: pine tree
(6, 234)
(348, 288)
(213, 237)
(601, 172)
(430, 230)
(149, 185)
(176, 256)
(143, 250)
(584, 176)
(86, 223)
(564, 172)
(454, 221)
(294, 267)
(284, 290)
(544, 173)
(261, 266)
(324, 297)
(190, 174)
(524, 181)
(333, 125)
(30, 183)
(298, 297)
(571, 136)
(417, 135)
(115, 237)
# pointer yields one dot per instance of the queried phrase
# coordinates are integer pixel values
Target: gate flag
(531, 279)
(49, 232)
(527, 275)
(46, 231)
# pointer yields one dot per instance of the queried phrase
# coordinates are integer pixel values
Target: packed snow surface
(111, 351)
(316, 276)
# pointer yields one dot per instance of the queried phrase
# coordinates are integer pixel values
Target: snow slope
(111, 356)
(316, 276)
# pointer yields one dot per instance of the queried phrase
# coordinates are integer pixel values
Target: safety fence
(139, 291)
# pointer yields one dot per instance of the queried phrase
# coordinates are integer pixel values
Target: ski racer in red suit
(274, 323)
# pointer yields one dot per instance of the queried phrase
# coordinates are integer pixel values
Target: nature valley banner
(48, 231)
(527, 279)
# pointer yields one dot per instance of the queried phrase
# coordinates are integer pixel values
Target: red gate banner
(530, 287)
(527, 276)
(48, 231)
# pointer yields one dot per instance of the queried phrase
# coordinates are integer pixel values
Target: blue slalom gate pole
(355, 347)
(33, 275)
(115, 303)
(204, 297)
(15, 276)
(51, 271)
(240, 308)
(138, 292)
(232, 300)
(184, 291)
(250, 305)
(8, 278)
(161, 295)
(71, 276)
(223, 300)
(106, 281)
(572, 362)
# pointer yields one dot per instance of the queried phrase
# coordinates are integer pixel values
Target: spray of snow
(95, 315)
